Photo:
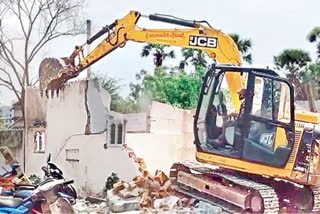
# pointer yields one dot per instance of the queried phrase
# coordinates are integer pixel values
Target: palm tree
(244, 46)
(313, 73)
(194, 56)
(158, 52)
(314, 36)
(294, 61)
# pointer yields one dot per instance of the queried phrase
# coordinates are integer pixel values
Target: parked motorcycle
(51, 171)
(49, 194)
(53, 195)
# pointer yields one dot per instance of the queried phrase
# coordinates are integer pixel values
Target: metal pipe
(172, 21)
(88, 46)
(104, 30)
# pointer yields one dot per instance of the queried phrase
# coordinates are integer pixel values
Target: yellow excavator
(255, 152)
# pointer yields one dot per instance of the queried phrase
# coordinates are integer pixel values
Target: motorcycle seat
(22, 194)
(19, 188)
(10, 202)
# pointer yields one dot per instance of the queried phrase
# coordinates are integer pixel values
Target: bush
(35, 179)
(110, 181)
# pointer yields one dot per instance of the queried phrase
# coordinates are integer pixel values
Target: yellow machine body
(219, 46)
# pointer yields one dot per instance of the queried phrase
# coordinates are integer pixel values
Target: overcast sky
(272, 26)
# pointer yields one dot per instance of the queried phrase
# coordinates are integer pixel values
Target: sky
(272, 26)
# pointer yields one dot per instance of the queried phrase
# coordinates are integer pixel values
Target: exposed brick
(117, 187)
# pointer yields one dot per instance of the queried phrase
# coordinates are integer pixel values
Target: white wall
(304, 105)
(66, 117)
(96, 163)
(160, 151)
(170, 138)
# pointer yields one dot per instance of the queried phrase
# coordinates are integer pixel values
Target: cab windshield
(252, 120)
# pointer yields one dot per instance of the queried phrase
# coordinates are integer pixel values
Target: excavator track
(316, 199)
(270, 200)
(225, 206)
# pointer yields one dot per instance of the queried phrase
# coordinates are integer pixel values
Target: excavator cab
(260, 131)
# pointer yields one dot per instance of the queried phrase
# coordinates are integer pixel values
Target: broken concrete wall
(96, 110)
(137, 122)
(160, 151)
(68, 117)
(13, 139)
(170, 138)
(92, 164)
(165, 118)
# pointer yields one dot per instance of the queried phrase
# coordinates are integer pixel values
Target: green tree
(127, 105)
(194, 56)
(171, 85)
(118, 103)
(312, 73)
(294, 62)
(244, 46)
(314, 36)
(135, 88)
(159, 53)
(312, 76)
(177, 88)
(112, 85)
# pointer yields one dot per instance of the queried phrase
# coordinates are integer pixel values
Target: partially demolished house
(89, 142)
(84, 137)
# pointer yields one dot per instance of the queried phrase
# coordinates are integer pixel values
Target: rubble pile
(138, 160)
(85, 206)
(146, 192)
(147, 187)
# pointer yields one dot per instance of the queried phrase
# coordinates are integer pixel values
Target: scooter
(53, 176)
(51, 171)
(48, 194)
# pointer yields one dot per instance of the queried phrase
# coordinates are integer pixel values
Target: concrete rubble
(84, 206)
(169, 205)
(140, 193)
(145, 194)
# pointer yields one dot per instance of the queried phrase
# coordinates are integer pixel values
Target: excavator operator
(243, 93)
(230, 120)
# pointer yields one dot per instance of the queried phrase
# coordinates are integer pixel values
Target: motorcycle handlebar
(68, 182)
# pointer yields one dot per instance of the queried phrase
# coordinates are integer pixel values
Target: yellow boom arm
(220, 46)
(217, 44)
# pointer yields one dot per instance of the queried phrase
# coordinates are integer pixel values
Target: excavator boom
(219, 46)
(263, 138)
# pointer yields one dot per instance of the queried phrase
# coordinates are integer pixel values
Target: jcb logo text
(202, 41)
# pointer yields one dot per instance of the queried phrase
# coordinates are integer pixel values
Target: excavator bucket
(53, 73)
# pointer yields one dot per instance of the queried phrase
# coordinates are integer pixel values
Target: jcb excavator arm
(217, 44)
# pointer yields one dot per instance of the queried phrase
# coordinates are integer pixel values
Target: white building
(6, 115)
